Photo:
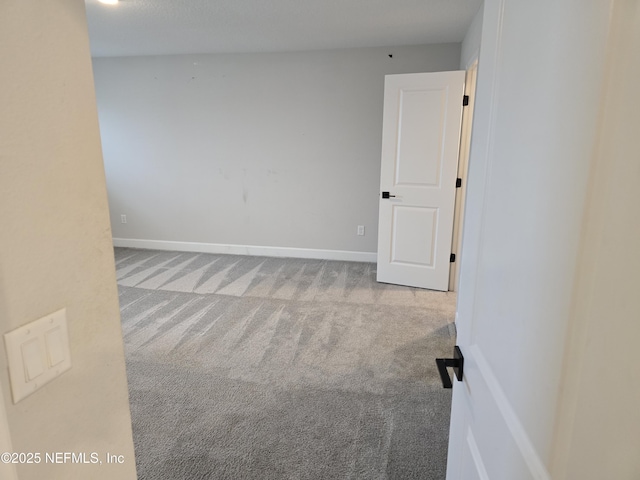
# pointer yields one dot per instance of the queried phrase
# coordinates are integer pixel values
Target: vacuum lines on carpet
(268, 368)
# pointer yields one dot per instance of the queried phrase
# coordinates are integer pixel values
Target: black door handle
(457, 362)
(386, 195)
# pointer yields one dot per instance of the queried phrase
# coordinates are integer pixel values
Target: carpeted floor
(263, 368)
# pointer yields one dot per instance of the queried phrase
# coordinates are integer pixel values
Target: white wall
(275, 149)
(55, 240)
(598, 427)
(470, 48)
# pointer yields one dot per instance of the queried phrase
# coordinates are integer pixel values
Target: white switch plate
(360, 229)
(37, 352)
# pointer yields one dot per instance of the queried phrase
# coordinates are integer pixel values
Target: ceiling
(161, 27)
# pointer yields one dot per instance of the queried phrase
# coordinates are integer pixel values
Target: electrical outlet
(360, 229)
(123, 219)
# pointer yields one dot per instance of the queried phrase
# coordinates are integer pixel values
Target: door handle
(457, 362)
(386, 195)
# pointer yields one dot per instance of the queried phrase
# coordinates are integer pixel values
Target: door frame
(463, 164)
(7, 470)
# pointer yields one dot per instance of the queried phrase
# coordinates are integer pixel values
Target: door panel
(504, 447)
(414, 227)
(472, 466)
(421, 135)
(523, 227)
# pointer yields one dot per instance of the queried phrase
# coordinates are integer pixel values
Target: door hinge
(458, 182)
(465, 100)
(452, 258)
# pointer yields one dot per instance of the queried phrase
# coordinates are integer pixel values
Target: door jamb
(7, 470)
(463, 164)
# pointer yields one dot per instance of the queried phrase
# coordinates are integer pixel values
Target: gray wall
(470, 49)
(277, 150)
(55, 241)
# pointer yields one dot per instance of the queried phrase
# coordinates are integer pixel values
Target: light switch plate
(37, 353)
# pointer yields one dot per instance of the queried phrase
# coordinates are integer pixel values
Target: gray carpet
(262, 368)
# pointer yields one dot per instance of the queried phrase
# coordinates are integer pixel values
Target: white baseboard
(252, 250)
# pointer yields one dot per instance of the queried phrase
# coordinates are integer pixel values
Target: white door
(532, 143)
(420, 142)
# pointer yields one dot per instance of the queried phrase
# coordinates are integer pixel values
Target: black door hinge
(465, 100)
(458, 182)
(452, 258)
